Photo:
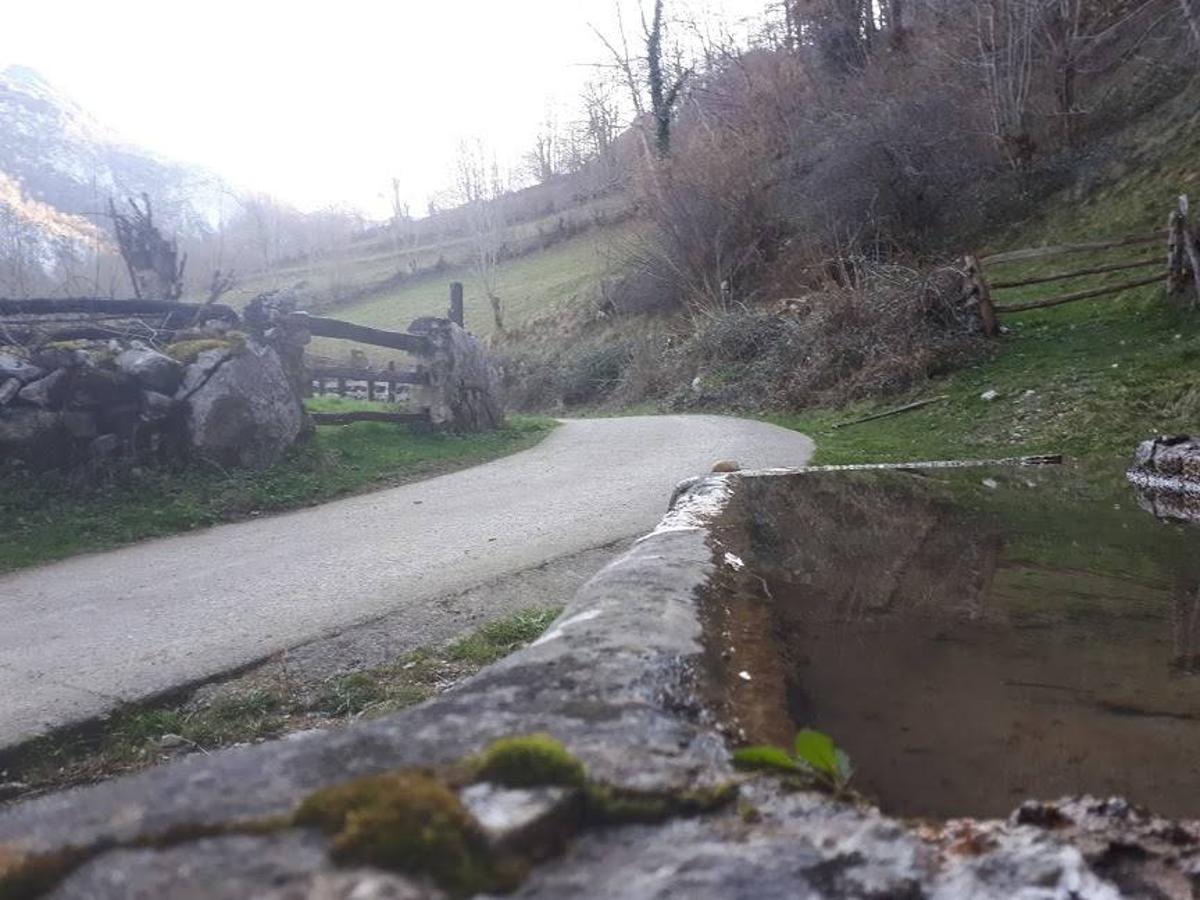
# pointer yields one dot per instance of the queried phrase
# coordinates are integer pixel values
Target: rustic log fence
(452, 383)
(1177, 270)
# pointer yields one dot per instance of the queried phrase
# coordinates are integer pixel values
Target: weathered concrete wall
(619, 679)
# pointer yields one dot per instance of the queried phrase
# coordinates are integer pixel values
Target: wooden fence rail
(319, 326)
(340, 378)
(1064, 249)
(1183, 253)
(349, 373)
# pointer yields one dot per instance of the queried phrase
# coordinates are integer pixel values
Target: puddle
(971, 638)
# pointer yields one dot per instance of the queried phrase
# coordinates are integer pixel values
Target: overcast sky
(320, 102)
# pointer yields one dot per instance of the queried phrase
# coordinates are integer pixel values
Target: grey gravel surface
(81, 636)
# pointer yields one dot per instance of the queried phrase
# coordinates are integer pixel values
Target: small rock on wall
(1169, 457)
(246, 413)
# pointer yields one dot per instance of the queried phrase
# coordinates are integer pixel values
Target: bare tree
(153, 261)
(654, 83)
(479, 186)
(545, 160)
(400, 216)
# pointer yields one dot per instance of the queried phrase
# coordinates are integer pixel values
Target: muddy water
(971, 638)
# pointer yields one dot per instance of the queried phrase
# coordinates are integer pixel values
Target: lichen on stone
(407, 822)
(530, 761)
(187, 352)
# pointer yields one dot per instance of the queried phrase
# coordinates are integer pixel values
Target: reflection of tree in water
(851, 549)
(942, 632)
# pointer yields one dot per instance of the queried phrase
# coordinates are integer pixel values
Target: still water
(971, 638)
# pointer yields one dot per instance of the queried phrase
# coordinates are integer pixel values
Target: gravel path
(81, 636)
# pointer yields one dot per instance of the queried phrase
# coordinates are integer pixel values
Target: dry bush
(894, 329)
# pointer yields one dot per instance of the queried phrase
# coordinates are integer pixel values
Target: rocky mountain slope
(58, 166)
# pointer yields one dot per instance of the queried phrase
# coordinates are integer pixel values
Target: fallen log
(893, 412)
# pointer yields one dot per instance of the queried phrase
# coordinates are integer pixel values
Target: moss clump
(407, 822)
(530, 761)
(607, 805)
(67, 345)
(187, 352)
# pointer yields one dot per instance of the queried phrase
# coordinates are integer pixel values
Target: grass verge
(256, 707)
(1089, 379)
(48, 518)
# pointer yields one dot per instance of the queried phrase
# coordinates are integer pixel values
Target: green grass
(497, 640)
(1088, 379)
(47, 519)
(529, 286)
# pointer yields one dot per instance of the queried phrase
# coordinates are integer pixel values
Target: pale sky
(321, 103)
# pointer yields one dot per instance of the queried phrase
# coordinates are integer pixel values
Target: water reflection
(971, 638)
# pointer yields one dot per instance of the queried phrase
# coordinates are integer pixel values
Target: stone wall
(212, 393)
(620, 680)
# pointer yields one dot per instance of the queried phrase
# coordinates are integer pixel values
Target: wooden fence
(390, 384)
(99, 318)
(1175, 270)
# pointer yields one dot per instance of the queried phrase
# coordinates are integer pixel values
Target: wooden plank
(1078, 295)
(349, 418)
(319, 326)
(1062, 249)
(351, 373)
(1078, 273)
(893, 412)
(92, 306)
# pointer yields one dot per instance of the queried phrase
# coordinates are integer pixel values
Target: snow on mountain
(62, 158)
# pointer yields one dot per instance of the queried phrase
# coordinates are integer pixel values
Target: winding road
(81, 636)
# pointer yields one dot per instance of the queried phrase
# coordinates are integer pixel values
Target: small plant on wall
(815, 758)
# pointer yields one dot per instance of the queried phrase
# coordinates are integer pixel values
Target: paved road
(83, 635)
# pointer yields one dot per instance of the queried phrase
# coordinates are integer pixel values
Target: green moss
(528, 761)
(187, 352)
(407, 822)
(606, 805)
(67, 345)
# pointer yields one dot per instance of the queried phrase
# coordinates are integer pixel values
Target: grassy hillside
(529, 286)
(1090, 378)
(368, 267)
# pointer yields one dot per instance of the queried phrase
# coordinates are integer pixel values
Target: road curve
(80, 636)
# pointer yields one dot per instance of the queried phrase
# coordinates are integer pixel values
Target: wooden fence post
(1175, 240)
(979, 286)
(1189, 246)
(456, 303)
